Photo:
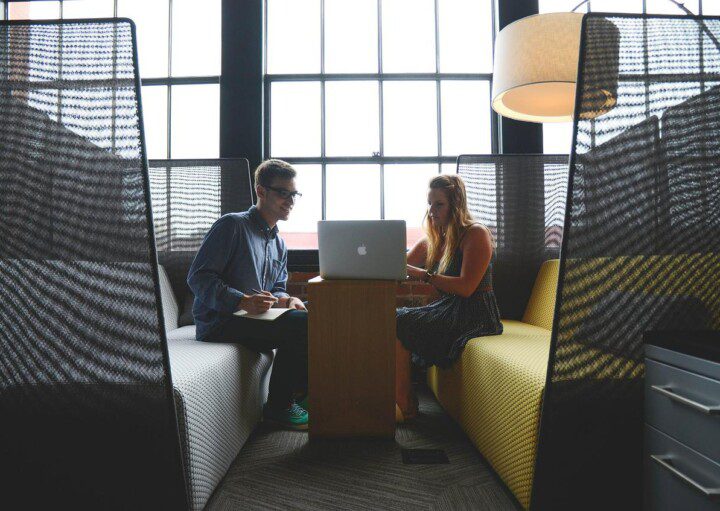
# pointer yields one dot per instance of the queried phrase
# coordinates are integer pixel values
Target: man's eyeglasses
(285, 194)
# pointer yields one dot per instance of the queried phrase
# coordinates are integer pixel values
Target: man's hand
(295, 303)
(257, 303)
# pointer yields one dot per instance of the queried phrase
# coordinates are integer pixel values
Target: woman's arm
(477, 252)
(416, 256)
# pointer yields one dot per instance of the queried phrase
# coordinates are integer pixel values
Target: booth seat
(219, 391)
(495, 390)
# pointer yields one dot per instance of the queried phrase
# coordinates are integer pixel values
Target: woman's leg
(404, 395)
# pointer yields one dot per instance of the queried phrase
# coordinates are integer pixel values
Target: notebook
(268, 315)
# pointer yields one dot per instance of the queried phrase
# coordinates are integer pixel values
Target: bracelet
(428, 275)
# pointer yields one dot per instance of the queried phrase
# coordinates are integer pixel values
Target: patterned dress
(436, 333)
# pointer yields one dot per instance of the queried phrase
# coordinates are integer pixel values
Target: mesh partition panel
(88, 418)
(521, 198)
(640, 250)
(188, 196)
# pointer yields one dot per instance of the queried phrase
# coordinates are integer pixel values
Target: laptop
(362, 249)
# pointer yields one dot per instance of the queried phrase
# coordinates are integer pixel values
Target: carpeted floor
(279, 469)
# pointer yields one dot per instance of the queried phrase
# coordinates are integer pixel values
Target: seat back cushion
(186, 316)
(169, 302)
(177, 263)
(541, 306)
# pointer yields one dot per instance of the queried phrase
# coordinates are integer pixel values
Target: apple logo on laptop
(362, 250)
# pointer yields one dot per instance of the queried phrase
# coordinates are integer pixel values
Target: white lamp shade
(535, 70)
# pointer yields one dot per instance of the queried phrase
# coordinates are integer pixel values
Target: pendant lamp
(536, 66)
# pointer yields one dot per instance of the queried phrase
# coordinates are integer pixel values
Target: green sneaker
(292, 417)
(304, 404)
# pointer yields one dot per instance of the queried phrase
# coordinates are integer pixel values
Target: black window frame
(168, 81)
(380, 78)
(307, 260)
(241, 80)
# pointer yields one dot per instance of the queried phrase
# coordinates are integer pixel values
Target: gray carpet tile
(278, 469)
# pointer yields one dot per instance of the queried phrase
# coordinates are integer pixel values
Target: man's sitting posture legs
(242, 265)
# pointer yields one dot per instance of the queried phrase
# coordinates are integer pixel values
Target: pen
(261, 292)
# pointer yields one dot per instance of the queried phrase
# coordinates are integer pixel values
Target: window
(180, 71)
(371, 98)
(557, 137)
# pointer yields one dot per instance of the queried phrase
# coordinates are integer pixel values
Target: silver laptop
(362, 249)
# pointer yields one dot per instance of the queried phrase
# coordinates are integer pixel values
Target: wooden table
(351, 350)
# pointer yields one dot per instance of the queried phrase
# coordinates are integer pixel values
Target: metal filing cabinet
(682, 424)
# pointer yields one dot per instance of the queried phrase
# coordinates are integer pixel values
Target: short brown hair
(268, 170)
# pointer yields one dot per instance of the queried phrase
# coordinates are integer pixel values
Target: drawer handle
(669, 392)
(665, 461)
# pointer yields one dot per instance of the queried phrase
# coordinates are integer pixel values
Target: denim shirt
(239, 253)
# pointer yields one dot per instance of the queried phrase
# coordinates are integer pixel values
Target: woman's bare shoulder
(422, 243)
(477, 232)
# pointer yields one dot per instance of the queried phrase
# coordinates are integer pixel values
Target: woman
(455, 257)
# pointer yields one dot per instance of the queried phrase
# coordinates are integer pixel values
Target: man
(242, 265)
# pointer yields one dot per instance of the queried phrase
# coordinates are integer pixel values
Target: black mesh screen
(521, 198)
(86, 402)
(188, 196)
(640, 251)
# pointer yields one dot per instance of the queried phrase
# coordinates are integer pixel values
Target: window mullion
(322, 80)
(381, 132)
(382, 191)
(169, 89)
(495, 142)
(438, 87)
(267, 88)
(323, 166)
(323, 177)
(339, 77)
(60, 66)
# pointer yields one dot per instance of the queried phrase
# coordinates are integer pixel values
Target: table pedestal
(351, 353)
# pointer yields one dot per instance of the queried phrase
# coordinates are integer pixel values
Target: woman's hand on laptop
(257, 303)
(415, 272)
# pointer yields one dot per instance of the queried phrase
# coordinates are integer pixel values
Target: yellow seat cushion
(541, 306)
(495, 389)
(495, 392)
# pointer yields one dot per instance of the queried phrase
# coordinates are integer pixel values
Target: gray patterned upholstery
(169, 303)
(87, 418)
(219, 392)
(640, 249)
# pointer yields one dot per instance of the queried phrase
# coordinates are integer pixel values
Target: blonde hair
(460, 220)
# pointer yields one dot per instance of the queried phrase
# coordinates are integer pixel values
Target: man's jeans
(288, 334)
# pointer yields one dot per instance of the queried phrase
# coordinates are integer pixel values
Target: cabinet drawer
(678, 478)
(685, 406)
